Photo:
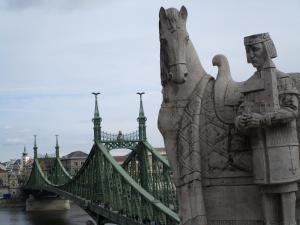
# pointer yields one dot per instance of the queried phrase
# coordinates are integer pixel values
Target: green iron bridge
(140, 191)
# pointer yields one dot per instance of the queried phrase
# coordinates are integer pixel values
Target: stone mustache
(233, 146)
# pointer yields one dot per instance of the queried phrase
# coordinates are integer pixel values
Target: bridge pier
(46, 204)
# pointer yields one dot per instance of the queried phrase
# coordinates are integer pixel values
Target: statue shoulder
(288, 83)
(281, 75)
(295, 77)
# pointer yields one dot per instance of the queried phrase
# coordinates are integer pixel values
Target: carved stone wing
(227, 92)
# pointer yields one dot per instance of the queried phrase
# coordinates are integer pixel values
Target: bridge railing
(109, 137)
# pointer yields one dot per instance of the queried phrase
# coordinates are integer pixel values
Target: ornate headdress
(256, 38)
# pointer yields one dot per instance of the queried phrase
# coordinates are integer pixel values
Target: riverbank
(12, 203)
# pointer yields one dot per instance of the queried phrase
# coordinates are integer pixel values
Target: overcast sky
(54, 53)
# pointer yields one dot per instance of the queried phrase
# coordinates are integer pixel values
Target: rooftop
(120, 158)
(2, 169)
(75, 155)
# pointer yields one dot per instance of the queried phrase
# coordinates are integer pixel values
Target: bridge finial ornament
(96, 113)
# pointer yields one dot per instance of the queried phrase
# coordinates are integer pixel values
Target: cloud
(14, 141)
(54, 53)
(25, 130)
(7, 127)
(49, 4)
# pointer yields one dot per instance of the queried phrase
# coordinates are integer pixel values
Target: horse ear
(183, 13)
(162, 13)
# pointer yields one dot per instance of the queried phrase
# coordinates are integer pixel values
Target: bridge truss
(139, 191)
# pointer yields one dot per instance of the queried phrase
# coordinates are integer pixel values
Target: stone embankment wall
(4, 203)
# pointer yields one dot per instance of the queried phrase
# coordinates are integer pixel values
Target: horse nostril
(185, 75)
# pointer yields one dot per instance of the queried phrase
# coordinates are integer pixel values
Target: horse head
(173, 43)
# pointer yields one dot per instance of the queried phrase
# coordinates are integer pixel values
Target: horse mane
(164, 63)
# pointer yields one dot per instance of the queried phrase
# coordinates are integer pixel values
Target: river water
(18, 216)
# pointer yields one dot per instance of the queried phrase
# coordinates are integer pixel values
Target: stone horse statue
(211, 162)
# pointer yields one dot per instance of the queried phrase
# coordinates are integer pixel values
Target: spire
(35, 147)
(142, 119)
(56, 147)
(96, 113)
(97, 119)
(141, 113)
(25, 152)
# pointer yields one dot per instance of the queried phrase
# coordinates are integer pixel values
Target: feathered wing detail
(227, 94)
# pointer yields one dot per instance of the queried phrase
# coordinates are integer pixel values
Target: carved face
(174, 40)
(256, 55)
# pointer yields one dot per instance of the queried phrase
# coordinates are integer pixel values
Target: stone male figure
(267, 115)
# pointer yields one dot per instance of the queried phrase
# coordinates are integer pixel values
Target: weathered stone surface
(233, 147)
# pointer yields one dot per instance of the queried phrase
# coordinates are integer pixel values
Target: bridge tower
(56, 147)
(35, 148)
(142, 152)
(97, 120)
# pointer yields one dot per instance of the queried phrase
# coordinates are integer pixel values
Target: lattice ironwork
(59, 174)
(138, 192)
(109, 137)
(106, 191)
(149, 169)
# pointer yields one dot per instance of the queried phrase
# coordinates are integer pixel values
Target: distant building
(14, 187)
(14, 173)
(46, 164)
(3, 181)
(3, 190)
(25, 158)
(27, 170)
(121, 158)
(28, 166)
(13, 166)
(73, 161)
(3, 176)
